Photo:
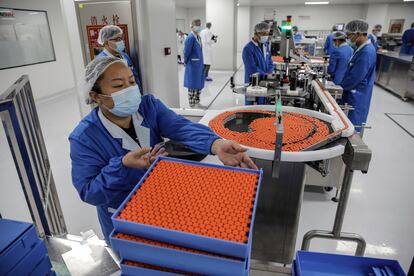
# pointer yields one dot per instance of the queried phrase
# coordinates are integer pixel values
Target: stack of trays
(188, 218)
(21, 251)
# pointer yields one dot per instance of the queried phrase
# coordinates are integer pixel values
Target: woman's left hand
(232, 154)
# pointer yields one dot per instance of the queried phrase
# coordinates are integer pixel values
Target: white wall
(376, 14)
(400, 11)
(221, 13)
(47, 78)
(320, 17)
(156, 26)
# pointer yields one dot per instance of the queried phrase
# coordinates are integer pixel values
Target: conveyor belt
(256, 128)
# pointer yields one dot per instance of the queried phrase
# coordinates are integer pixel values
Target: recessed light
(321, 3)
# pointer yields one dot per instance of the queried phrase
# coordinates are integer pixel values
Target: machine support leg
(336, 233)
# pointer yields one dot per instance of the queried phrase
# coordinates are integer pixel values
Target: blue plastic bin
(31, 261)
(319, 264)
(213, 245)
(17, 239)
(178, 259)
(128, 270)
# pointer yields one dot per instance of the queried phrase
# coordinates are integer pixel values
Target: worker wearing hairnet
(194, 64)
(112, 38)
(329, 45)
(110, 148)
(407, 46)
(257, 57)
(360, 75)
(338, 61)
(297, 36)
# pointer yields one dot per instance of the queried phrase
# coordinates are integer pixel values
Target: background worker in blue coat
(329, 45)
(112, 38)
(338, 61)
(375, 35)
(257, 57)
(194, 64)
(360, 75)
(297, 36)
(110, 148)
(407, 46)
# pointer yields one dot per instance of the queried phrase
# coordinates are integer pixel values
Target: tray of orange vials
(194, 205)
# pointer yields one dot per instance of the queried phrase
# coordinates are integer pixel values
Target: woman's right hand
(142, 158)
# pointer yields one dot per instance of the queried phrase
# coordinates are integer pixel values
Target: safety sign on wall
(93, 33)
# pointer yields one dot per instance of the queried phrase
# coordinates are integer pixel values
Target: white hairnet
(339, 35)
(261, 27)
(108, 32)
(93, 71)
(357, 26)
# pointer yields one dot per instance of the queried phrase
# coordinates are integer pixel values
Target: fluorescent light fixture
(408, 0)
(320, 3)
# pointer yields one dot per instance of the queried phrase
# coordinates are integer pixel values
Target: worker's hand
(141, 158)
(232, 154)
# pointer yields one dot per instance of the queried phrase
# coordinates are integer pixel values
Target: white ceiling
(190, 3)
(202, 3)
(301, 2)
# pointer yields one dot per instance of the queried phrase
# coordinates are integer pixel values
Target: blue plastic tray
(312, 263)
(213, 245)
(178, 259)
(31, 261)
(17, 239)
(128, 270)
(44, 268)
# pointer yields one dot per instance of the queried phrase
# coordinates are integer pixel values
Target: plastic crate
(179, 258)
(148, 270)
(17, 239)
(312, 263)
(44, 268)
(31, 261)
(185, 239)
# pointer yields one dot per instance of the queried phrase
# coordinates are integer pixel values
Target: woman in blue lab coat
(407, 46)
(194, 64)
(257, 57)
(338, 61)
(359, 78)
(110, 149)
(112, 38)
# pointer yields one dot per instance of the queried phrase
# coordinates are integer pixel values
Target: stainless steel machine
(395, 73)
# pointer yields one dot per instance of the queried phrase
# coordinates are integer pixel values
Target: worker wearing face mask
(338, 61)
(257, 57)
(194, 75)
(376, 33)
(359, 78)
(329, 46)
(110, 148)
(112, 38)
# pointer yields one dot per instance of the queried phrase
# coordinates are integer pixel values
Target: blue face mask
(197, 29)
(350, 43)
(126, 101)
(264, 39)
(120, 46)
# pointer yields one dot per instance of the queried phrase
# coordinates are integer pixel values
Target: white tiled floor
(381, 208)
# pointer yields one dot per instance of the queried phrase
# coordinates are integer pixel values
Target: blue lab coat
(407, 46)
(329, 45)
(255, 61)
(359, 82)
(338, 62)
(374, 41)
(125, 56)
(194, 64)
(97, 147)
(297, 37)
